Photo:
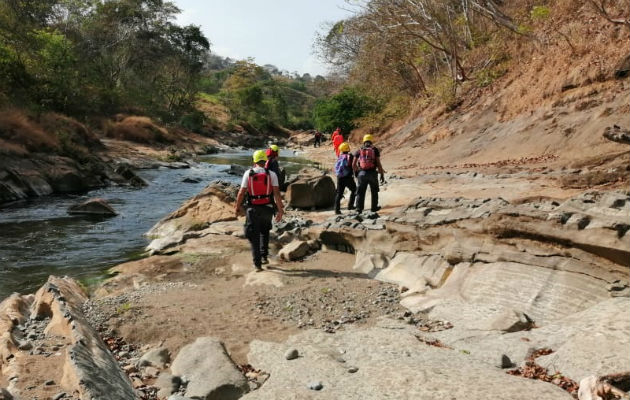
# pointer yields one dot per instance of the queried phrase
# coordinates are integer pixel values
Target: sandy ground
(219, 294)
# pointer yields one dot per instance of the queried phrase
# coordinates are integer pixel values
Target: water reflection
(39, 238)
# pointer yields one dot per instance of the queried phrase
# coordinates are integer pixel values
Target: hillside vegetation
(101, 62)
(261, 97)
(425, 63)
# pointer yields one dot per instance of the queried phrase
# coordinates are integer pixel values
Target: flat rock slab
(591, 342)
(210, 372)
(392, 363)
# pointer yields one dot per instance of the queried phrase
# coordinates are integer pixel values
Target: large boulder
(210, 372)
(54, 317)
(92, 207)
(214, 204)
(311, 191)
(126, 171)
(236, 170)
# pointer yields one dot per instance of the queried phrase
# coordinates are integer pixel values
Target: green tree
(342, 110)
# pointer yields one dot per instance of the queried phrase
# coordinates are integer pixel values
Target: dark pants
(318, 142)
(367, 178)
(257, 227)
(342, 184)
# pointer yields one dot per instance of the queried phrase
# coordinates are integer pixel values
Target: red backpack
(259, 188)
(367, 158)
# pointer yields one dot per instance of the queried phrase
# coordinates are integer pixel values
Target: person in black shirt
(367, 163)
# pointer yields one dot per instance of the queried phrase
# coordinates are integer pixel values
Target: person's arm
(355, 163)
(278, 198)
(239, 201)
(379, 166)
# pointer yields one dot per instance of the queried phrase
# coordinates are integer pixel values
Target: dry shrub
(17, 129)
(11, 149)
(70, 130)
(138, 129)
(440, 134)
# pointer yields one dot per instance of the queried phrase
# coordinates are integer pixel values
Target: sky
(278, 32)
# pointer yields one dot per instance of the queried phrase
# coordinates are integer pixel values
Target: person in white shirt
(260, 187)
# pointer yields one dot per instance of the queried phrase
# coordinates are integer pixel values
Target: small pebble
(315, 386)
(352, 370)
(59, 396)
(49, 383)
(291, 354)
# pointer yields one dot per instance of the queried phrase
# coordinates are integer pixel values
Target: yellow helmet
(259, 155)
(343, 147)
(275, 148)
(368, 138)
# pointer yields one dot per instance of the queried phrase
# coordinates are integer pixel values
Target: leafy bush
(193, 121)
(343, 110)
(540, 12)
(445, 90)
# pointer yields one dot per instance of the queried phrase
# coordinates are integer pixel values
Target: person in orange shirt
(335, 134)
(337, 139)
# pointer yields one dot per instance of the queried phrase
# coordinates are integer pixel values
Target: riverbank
(387, 294)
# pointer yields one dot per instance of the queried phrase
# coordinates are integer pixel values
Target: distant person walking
(273, 153)
(263, 201)
(345, 177)
(367, 162)
(318, 139)
(337, 140)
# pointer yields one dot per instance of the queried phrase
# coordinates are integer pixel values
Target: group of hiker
(364, 164)
(260, 188)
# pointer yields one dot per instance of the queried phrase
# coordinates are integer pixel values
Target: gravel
(330, 308)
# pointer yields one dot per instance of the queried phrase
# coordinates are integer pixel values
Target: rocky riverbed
(467, 296)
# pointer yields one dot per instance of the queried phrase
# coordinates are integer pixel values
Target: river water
(39, 238)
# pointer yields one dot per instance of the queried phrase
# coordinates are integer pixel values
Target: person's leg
(252, 232)
(266, 215)
(353, 192)
(374, 190)
(340, 189)
(363, 183)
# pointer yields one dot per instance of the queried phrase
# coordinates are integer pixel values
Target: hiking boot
(264, 261)
(257, 268)
(337, 212)
(350, 208)
(376, 209)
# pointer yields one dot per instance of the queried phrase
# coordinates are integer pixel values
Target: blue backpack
(342, 166)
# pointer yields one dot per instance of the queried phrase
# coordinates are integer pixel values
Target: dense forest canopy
(92, 57)
(98, 58)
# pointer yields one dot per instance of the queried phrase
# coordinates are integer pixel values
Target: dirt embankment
(52, 153)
